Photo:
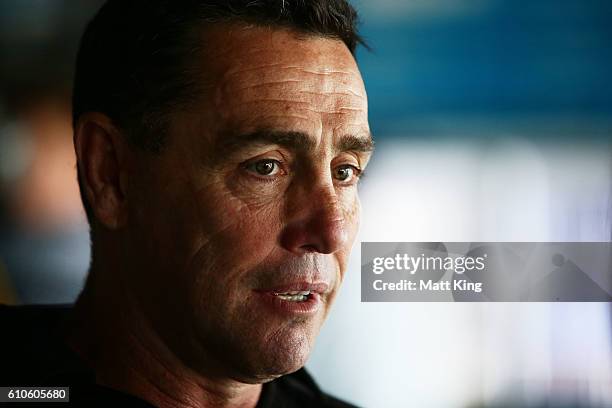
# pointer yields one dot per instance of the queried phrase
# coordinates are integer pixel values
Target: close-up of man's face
(244, 223)
(184, 220)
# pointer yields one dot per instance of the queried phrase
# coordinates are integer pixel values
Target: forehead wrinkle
(271, 56)
(327, 86)
(350, 93)
(249, 77)
(294, 140)
(322, 72)
(308, 106)
(324, 96)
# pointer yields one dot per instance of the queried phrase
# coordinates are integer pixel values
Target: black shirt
(32, 353)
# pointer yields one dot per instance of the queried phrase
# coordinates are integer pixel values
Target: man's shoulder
(17, 313)
(31, 347)
(299, 389)
(23, 326)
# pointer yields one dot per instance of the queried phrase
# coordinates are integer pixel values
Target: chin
(284, 352)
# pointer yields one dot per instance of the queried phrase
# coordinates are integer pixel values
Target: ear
(102, 157)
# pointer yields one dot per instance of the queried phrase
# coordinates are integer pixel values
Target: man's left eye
(346, 173)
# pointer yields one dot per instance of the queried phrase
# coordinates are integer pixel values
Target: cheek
(233, 228)
(352, 214)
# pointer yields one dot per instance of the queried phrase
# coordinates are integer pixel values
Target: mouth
(296, 298)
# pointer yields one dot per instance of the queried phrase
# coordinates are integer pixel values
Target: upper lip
(315, 287)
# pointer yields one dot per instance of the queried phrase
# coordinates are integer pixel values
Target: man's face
(240, 231)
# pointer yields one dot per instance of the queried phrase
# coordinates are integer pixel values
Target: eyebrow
(298, 141)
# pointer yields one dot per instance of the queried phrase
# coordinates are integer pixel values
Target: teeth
(295, 296)
(297, 292)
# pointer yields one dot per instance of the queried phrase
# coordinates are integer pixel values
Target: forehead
(264, 78)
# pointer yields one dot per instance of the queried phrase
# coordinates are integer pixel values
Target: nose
(317, 223)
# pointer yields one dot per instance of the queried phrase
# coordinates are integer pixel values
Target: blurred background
(493, 122)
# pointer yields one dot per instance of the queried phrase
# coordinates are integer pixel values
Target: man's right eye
(266, 167)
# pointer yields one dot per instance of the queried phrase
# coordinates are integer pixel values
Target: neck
(128, 355)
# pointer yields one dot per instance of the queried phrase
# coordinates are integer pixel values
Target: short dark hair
(135, 60)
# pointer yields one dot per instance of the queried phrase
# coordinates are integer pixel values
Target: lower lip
(307, 307)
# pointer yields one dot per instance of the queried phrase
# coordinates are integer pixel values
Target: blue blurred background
(493, 122)
(486, 57)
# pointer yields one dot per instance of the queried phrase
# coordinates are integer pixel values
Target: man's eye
(267, 167)
(346, 173)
